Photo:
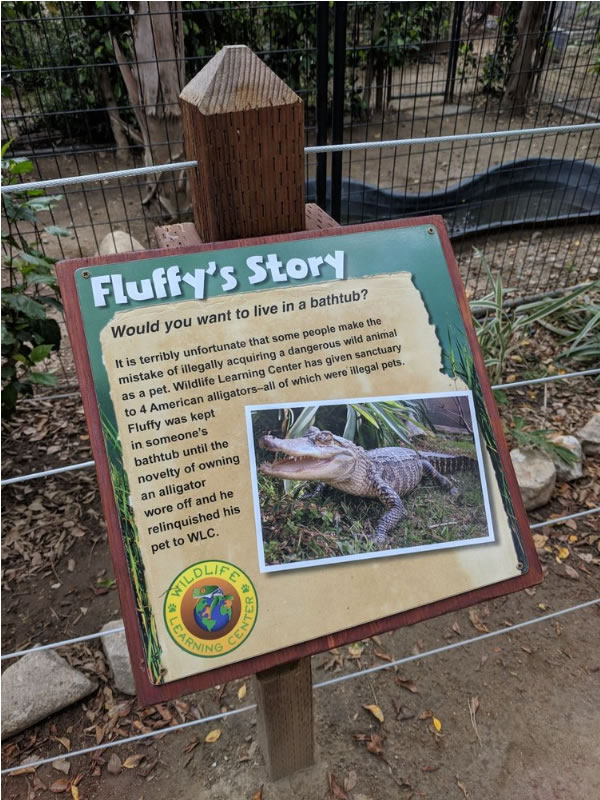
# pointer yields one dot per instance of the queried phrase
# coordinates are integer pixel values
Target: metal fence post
(245, 128)
(322, 99)
(453, 54)
(339, 75)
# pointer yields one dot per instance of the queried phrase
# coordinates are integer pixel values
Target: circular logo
(210, 608)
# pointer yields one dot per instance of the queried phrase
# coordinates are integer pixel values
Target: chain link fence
(91, 87)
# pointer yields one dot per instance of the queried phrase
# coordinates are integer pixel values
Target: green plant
(28, 334)
(500, 329)
(576, 323)
(529, 438)
(131, 543)
(467, 62)
(495, 66)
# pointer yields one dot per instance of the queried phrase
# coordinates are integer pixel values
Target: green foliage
(28, 334)
(496, 65)
(576, 324)
(500, 329)
(528, 438)
(43, 50)
(131, 543)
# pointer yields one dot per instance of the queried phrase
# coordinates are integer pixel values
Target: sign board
(223, 385)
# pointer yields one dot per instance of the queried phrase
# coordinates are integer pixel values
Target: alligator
(386, 473)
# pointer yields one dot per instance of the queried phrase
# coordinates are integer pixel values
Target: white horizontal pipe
(325, 148)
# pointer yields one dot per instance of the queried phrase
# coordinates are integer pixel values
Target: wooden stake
(244, 126)
(285, 717)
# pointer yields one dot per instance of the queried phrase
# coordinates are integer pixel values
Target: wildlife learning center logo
(210, 608)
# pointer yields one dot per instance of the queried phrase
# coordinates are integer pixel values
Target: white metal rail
(85, 464)
(325, 148)
(321, 685)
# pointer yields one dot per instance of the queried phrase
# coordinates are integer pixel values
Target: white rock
(118, 242)
(115, 647)
(589, 436)
(536, 476)
(569, 472)
(37, 685)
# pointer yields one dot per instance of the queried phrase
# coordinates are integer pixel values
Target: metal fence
(366, 72)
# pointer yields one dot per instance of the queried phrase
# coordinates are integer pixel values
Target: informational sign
(296, 444)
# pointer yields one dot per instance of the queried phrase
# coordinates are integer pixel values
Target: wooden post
(285, 717)
(244, 126)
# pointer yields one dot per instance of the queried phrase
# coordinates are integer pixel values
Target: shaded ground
(537, 690)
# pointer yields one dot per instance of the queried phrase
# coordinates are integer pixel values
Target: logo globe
(210, 608)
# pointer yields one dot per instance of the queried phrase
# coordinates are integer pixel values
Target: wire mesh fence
(91, 87)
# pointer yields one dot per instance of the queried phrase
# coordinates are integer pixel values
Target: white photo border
(383, 553)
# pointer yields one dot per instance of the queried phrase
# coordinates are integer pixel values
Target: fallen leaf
(407, 684)
(562, 554)
(350, 781)
(114, 764)
(74, 792)
(62, 766)
(242, 691)
(133, 761)
(473, 706)
(456, 628)
(335, 789)
(66, 743)
(425, 715)
(462, 787)
(375, 710)
(213, 736)
(539, 540)
(375, 744)
(258, 795)
(61, 785)
(572, 573)
(356, 649)
(383, 656)
(437, 724)
(476, 621)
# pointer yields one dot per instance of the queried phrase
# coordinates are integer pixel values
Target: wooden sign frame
(149, 693)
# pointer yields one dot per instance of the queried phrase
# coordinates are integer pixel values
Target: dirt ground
(518, 712)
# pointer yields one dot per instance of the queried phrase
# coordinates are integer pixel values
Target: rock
(536, 476)
(589, 436)
(37, 685)
(114, 762)
(118, 242)
(115, 647)
(569, 472)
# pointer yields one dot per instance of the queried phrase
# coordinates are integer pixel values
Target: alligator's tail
(449, 464)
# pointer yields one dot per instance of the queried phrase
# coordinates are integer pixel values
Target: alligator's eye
(324, 437)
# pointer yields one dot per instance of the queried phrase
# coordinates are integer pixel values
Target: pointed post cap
(236, 80)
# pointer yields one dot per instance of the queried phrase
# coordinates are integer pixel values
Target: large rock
(37, 685)
(536, 476)
(115, 647)
(569, 472)
(589, 436)
(118, 242)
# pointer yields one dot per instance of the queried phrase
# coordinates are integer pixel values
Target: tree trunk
(372, 57)
(521, 72)
(116, 123)
(153, 84)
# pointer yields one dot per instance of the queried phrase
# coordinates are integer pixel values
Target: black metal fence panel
(92, 86)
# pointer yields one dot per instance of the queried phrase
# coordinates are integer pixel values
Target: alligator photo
(386, 473)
